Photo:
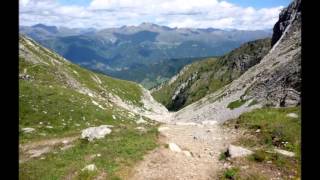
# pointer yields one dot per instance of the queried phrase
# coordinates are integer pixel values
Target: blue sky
(244, 3)
(261, 3)
(75, 2)
(237, 14)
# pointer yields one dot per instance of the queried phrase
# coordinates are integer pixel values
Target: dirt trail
(203, 142)
(38, 148)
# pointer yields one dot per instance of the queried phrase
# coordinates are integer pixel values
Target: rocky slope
(275, 81)
(203, 77)
(39, 65)
(59, 101)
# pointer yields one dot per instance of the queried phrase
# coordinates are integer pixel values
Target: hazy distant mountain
(115, 51)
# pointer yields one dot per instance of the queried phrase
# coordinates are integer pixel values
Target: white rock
(114, 117)
(187, 153)
(209, 122)
(49, 127)
(98, 155)
(186, 123)
(140, 128)
(40, 122)
(284, 152)
(90, 167)
(65, 142)
(292, 115)
(258, 130)
(141, 121)
(96, 132)
(97, 104)
(28, 130)
(237, 151)
(38, 152)
(163, 128)
(66, 147)
(173, 147)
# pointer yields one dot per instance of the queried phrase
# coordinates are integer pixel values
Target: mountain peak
(52, 29)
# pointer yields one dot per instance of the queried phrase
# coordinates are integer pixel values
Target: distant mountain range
(121, 51)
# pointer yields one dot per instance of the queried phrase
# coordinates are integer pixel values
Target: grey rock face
(280, 84)
(274, 81)
(294, 9)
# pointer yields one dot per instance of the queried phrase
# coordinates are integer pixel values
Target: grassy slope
(47, 99)
(276, 128)
(213, 73)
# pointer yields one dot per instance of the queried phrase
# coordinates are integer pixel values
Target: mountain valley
(227, 108)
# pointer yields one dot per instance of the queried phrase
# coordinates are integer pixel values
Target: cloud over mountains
(173, 13)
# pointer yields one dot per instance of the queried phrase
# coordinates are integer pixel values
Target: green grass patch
(236, 104)
(276, 130)
(222, 156)
(119, 149)
(231, 173)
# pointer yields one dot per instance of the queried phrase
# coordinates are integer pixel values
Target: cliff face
(281, 85)
(286, 16)
(274, 81)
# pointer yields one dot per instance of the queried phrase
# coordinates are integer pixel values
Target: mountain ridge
(109, 50)
(208, 75)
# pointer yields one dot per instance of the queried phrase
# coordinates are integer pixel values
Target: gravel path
(198, 159)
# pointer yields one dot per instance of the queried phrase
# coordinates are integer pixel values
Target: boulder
(187, 153)
(90, 167)
(96, 132)
(284, 152)
(292, 115)
(160, 129)
(237, 151)
(28, 130)
(173, 147)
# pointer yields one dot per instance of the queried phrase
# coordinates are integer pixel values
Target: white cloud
(174, 13)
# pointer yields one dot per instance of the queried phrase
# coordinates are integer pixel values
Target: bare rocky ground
(198, 158)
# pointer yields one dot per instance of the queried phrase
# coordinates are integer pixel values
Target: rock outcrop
(280, 84)
(285, 17)
(274, 81)
(237, 151)
(208, 75)
(96, 132)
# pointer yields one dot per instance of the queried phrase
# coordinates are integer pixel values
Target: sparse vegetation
(50, 102)
(258, 156)
(253, 102)
(222, 156)
(236, 104)
(270, 128)
(231, 173)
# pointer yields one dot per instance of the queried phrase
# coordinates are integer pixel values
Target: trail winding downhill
(187, 150)
(197, 156)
